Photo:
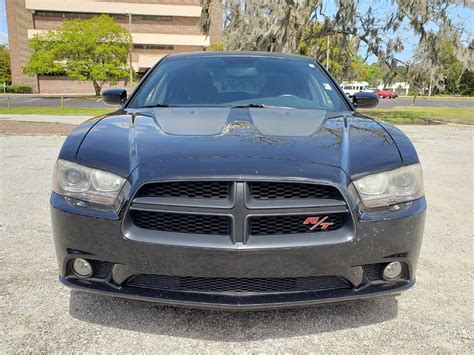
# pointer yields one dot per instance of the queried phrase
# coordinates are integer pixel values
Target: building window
(65, 14)
(118, 17)
(49, 14)
(79, 15)
(153, 46)
(90, 15)
(151, 18)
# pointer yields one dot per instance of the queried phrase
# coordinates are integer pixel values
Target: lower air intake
(218, 285)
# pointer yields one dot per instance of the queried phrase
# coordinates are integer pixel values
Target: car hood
(152, 138)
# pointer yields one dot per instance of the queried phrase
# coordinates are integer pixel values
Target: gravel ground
(38, 314)
(35, 128)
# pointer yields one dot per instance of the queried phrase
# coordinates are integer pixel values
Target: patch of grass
(422, 115)
(55, 111)
(437, 97)
(397, 115)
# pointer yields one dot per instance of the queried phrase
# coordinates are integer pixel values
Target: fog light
(82, 268)
(392, 271)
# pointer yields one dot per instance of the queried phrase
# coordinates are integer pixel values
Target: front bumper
(242, 303)
(379, 239)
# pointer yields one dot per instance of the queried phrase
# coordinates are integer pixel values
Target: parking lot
(40, 315)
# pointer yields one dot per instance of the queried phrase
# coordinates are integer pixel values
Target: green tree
(281, 25)
(217, 47)
(341, 56)
(358, 70)
(466, 85)
(374, 74)
(452, 68)
(337, 57)
(401, 73)
(93, 50)
(436, 62)
(419, 75)
(5, 71)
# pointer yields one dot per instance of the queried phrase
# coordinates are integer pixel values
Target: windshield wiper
(249, 106)
(157, 105)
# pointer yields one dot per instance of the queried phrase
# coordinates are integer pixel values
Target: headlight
(86, 184)
(391, 187)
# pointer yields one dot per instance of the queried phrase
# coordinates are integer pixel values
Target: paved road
(39, 315)
(97, 103)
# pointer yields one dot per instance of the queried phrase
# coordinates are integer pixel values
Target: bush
(217, 47)
(19, 89)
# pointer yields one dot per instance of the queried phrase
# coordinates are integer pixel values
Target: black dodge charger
(238, 181)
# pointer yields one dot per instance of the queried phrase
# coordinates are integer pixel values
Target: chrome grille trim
(241, 210)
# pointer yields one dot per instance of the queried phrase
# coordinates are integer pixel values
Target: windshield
(230, 81)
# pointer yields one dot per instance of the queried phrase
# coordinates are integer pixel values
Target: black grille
(374, 271)
(182, 223)
(185, 189)
(269, 225)
(279, 191)
(101, 268)
(237, 285)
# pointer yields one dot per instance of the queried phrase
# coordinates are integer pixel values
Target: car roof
(218, 54)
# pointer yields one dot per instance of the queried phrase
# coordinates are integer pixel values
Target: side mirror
(114, 96)
(365, 100)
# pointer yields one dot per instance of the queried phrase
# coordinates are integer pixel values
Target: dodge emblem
(318, 222)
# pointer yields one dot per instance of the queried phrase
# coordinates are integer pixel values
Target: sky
(3, 24)
(458, 13)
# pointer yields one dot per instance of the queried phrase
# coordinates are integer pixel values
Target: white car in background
(350, 88)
